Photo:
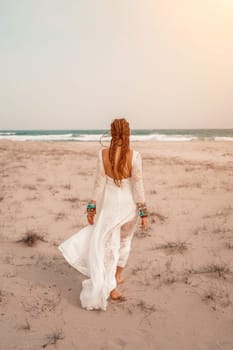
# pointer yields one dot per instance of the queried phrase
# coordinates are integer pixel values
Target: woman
(100, 250)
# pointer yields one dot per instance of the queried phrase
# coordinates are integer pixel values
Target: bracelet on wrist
(142, 213)
(91, 208)
(142, 210)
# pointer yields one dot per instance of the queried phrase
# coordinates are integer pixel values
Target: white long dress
(96, 250)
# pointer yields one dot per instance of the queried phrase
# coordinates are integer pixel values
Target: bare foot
(115, 294)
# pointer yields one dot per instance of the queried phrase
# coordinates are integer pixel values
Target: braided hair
(120, 131)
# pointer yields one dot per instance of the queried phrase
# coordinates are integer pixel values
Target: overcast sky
(79, 63)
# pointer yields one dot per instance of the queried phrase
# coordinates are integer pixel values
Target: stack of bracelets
(142, 210)
(91, 208)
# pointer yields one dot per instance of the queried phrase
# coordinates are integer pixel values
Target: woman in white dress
(100, 250)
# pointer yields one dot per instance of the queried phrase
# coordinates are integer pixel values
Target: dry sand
(179, 277)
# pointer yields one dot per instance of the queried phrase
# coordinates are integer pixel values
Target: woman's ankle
(118, 276)
(119, 270)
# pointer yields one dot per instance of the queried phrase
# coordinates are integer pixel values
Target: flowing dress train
(96, 250)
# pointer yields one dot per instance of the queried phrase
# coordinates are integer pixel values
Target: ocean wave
(223, 138)
(90, 137)
(7, 133)
(95, 137)
(150, 137)
(37, 137)
(162, 137)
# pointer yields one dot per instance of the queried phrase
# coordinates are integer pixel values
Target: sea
(72, 135)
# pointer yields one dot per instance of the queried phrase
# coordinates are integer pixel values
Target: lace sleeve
(137, 179)
(100, 178)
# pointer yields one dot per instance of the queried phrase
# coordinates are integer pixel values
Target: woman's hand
(91, 212)
(90, 218)
(144, 222)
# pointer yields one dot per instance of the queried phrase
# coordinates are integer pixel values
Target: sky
(78, 64)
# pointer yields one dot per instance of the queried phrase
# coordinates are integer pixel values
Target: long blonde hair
(120, 130)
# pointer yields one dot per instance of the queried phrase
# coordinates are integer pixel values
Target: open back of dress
(107, 164)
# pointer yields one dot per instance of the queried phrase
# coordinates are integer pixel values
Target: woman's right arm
(98, 186)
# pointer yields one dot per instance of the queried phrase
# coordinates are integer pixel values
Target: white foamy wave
(37, 137)
(7, 133)
(223, 138)
(162, 137)
(90, 137)
(142, 137)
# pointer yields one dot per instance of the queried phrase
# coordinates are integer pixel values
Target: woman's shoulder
(100, 151)
(105, 150)
(135, 153)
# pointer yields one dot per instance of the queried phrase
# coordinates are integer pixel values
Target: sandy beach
(178, 289)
